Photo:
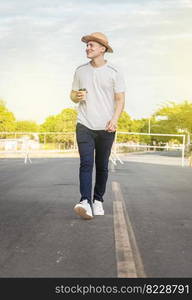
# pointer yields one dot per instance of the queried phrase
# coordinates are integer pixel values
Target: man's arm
(119, 106)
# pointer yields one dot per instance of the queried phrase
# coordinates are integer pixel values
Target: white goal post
(127, 144)
(11, 144)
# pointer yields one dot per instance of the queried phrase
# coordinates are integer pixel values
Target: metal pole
(74, 141)
(183, 151)
(149, 127)
(115, 141)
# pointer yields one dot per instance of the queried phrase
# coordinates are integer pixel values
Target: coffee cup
(84, 93)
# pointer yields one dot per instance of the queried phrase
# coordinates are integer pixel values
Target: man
(97, 120)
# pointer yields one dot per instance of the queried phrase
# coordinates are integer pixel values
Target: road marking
(129, 263)
(112, 167)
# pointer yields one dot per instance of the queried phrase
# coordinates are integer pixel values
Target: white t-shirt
(101, 83)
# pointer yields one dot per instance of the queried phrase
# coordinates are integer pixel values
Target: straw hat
(97, 37)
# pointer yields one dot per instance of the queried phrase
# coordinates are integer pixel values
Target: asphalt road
(42, 237)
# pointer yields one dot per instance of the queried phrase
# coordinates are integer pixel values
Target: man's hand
(111, 125)
(120, 101)
(77, 96)
(80, 95)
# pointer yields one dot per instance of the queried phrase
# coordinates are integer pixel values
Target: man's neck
(98, 62)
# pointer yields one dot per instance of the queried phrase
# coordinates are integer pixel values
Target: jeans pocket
(81, 133)
(108, 135)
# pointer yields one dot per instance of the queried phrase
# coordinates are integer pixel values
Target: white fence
(28, 143)
(145, 146)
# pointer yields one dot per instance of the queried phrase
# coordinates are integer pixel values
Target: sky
(40, 48)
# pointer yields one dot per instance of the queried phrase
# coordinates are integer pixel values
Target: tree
(7, 118)
(63, 122)
(124, 124)
(27, 126)
(49, 125)
(66, 120)
(141, 126)
(178, 120)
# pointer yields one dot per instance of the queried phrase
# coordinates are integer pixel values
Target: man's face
(94, 49)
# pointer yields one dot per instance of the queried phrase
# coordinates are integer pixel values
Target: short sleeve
(75, 84)
(119, 84)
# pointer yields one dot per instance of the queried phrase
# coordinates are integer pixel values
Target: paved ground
(42, 237)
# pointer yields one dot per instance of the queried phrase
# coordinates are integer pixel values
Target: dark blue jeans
(93, 144)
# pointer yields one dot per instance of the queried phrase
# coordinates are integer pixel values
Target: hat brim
(88, 38)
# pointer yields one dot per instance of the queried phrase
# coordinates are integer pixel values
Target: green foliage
(49, 125)
(124, 125)
(7, 118)
(64, 122)
(27, 126)
(140, 125)
(179, 119)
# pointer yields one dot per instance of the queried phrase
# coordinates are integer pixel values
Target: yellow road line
(129, 263)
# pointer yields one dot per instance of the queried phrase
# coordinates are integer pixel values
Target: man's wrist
(115, 119)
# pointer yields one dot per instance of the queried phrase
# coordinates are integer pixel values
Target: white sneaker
(83, 209)
(98, 208)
